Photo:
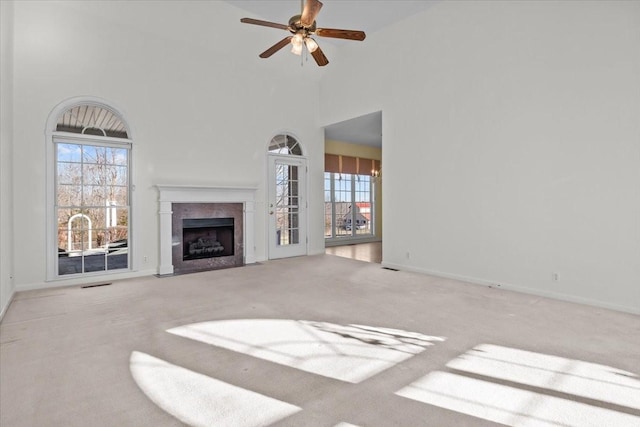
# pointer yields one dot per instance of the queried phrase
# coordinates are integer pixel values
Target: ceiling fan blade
(340, 34)
(318, 55)
(276, 47)
(264, 23)
(309, 13)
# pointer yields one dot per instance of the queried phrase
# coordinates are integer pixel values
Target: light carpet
(313, 341)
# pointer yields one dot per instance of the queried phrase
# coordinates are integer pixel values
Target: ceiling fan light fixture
(311, 44)
(296, 49)
(296, 42)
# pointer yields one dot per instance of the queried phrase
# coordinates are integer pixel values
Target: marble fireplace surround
(169, 194)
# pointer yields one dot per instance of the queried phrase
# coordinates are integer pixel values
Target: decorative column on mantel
(169, 194)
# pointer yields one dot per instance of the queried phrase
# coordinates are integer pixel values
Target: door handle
(270, 212)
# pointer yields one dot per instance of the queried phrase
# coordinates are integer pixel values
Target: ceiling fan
(302, 27)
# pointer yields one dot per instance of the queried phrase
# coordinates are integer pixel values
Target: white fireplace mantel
(203, 194)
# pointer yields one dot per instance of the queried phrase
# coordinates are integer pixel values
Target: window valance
(347, 164)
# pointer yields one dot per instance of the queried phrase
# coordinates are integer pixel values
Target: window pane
(294, 236)
(94, 155)
(349, 207)
(122, 220)
(92, 195)
(328, 217)
(117, 156)
(69, 152)
(93, 185)
(93, 174)
(117, 195)
(95, 262)
(69, 173)
(116, 175)
(69, 195)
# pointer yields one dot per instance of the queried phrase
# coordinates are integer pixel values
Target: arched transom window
(92, 120)
(285, 144)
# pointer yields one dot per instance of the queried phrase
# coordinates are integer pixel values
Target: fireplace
(207, 238)
(227, 212)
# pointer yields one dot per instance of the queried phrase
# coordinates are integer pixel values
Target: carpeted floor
(313, 341)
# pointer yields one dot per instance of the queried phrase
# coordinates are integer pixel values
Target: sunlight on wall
(350, 353)
(199, 400)
(513, 406)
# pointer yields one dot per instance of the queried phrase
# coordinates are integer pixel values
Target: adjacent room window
(349, 205)
(349, 197)
(92, 191)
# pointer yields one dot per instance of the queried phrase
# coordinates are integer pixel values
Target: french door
(287, 206)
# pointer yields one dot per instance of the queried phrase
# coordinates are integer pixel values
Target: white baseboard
(84, 280)
(3, 310)
(516, 288)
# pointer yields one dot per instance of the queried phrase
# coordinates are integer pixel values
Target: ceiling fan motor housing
(295, 25)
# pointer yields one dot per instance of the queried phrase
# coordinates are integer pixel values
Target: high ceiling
(368, 16)
(363, 130)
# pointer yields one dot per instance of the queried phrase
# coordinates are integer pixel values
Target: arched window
(285, 144)
(89, 150)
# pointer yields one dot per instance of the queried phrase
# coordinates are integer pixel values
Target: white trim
(515, 288)
(169, 194)
(101, 140)
(3, 310)
(108, 277)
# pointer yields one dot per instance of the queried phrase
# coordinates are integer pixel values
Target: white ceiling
(363, 130)
(368, 16)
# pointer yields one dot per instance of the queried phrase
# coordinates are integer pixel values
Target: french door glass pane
(328, 206)
(286, 209)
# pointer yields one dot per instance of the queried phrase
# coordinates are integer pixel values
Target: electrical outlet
(555, 277)
(145, 259)
(408, 255)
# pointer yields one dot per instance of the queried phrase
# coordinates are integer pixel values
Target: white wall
(187, 75)
(6, 153)
(511, 144)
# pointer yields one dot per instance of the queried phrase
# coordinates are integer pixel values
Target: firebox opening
(207, 238)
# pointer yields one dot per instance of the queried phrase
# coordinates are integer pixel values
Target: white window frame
(354, 237)
(52, 137)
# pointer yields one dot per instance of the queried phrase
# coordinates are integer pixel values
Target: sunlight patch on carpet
(199, 400)
(350, 353)
(575, 377)
(489, 399)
